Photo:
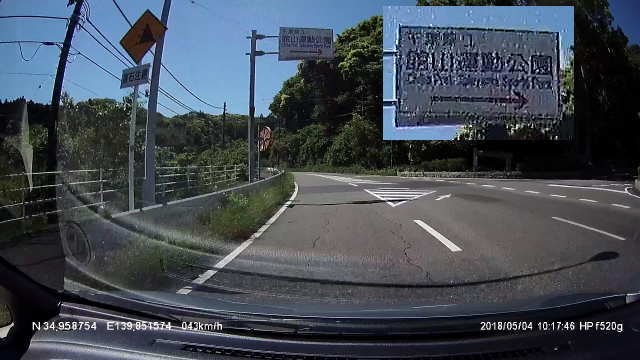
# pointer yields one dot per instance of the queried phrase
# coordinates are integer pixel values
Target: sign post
(294, 44)
(133, 77)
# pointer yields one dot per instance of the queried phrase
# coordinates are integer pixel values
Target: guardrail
(100, 187)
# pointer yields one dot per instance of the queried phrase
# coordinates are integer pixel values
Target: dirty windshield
(342, 154)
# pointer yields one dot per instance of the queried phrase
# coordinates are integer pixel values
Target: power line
(164, 67)
(32, 56)
(164, 92)
(103, 46)
(189, 91)
(31, 42)
(95, 63)
(122, 13)
(109, 41)
(27, 73)
(33, 16)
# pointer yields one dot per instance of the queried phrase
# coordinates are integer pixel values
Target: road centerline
(446, 242)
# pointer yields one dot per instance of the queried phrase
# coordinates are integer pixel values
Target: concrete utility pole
(52, 125)
(149, 188)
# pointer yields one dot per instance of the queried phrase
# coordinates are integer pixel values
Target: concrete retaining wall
(182, 215)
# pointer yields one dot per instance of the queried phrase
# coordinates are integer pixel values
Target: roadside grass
(241, 215)
(144, 264)
(5, 315)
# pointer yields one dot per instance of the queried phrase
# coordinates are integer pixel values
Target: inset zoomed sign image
(480, 83)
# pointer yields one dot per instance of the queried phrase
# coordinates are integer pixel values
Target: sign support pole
(252, 88)
(132, 142)
(149, 188)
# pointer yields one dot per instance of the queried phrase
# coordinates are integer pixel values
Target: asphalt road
(391, 240)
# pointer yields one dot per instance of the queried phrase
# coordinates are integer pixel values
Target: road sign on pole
(134, 76)
(264, 138)
(142, 35)
(305, 44)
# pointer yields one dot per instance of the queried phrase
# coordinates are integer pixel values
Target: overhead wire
(165, 67)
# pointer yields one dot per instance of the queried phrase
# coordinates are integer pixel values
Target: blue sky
(625, 14)
(544, 18)
(204, 47)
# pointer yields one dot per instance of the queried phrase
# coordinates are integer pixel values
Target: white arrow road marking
(443, 197)
(588, 227)
(453, 247)
(399, 196)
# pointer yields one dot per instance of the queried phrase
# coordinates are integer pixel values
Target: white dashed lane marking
(560, 196)
(532, 192)
(507, 188)
(621, 206)
(446, 242)
(588, 228)
(588, 200)
(487, 185)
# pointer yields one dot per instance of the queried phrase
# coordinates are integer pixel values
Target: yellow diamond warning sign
(142, 35)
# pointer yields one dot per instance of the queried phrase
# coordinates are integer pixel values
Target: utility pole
(224, 120)
(149, 188)
(52, 125)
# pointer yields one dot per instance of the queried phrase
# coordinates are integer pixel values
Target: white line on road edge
(586, 187)
(532, 192)
(589, 200)
(227, 259)
(588, 228)
(507, 188)
(438, 236)
(626, 191)
(560, 196)
(622, 206)
(488, 185)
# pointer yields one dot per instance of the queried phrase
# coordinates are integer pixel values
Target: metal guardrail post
(187, 177)
(24, 210)
(101, 189)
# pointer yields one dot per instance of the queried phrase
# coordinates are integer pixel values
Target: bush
(453, 164)
(241, 215)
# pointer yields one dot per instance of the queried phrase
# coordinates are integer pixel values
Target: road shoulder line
(232, 255)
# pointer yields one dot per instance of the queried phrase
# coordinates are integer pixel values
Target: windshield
(328, 156)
